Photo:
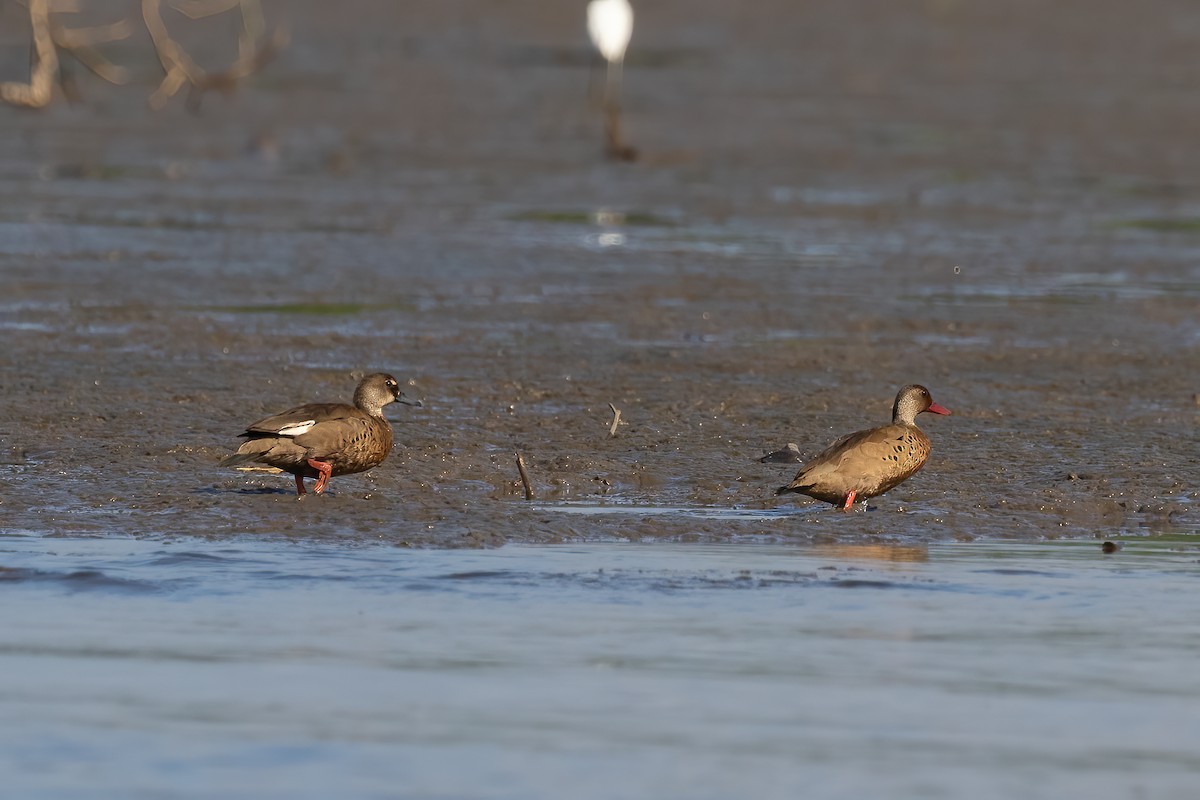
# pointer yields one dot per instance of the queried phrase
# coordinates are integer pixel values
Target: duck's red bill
(936, 409)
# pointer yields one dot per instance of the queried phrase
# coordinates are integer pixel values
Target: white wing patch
(298, 428)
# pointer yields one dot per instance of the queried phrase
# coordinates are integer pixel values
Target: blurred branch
(36, 93)
(86, 37)
(254, 52)
(78, 42)
(49, 36)
(199, 9)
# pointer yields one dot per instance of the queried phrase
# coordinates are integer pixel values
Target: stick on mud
(524, 477)
(612, 431)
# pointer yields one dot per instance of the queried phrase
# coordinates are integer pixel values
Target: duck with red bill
(867, 463)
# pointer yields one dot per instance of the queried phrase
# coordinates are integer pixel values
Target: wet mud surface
(982, 200)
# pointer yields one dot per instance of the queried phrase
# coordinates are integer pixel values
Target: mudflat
(831, 201)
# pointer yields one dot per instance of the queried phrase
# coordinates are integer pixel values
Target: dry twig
(254, 51)
(36, 93)
(79, 43)
(199, 9)
(524, 477)
(612, 431)
(49, 36)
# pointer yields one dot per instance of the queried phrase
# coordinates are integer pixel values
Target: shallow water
(245, 669)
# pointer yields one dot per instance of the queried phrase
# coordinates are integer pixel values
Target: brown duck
(320, 440)
(868, 463)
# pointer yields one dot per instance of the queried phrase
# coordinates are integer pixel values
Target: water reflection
(897, 553)
(606, 239)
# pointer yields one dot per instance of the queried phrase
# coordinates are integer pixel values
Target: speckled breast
(908, 455)
(367, 447)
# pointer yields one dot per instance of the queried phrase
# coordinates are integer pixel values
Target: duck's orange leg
(325, 469)
(849, 501)
(299, 486)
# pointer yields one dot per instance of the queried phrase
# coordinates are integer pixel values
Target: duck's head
(912, 400)
(377, 390)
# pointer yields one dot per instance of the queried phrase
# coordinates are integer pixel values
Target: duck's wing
(299, 420)
(347, 437)
(862, 453)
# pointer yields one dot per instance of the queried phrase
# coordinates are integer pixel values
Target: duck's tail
(249, 452)
(238, 458)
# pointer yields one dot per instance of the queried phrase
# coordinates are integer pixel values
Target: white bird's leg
(614, 143)
(612, 85)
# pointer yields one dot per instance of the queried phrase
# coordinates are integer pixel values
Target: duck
(868, 463)
(320, 440)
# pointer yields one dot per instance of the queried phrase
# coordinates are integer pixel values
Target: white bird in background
(610, 24)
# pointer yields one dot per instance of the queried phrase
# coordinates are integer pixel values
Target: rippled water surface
(141, 668)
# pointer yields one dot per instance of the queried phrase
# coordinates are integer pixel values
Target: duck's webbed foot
(325, 469)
